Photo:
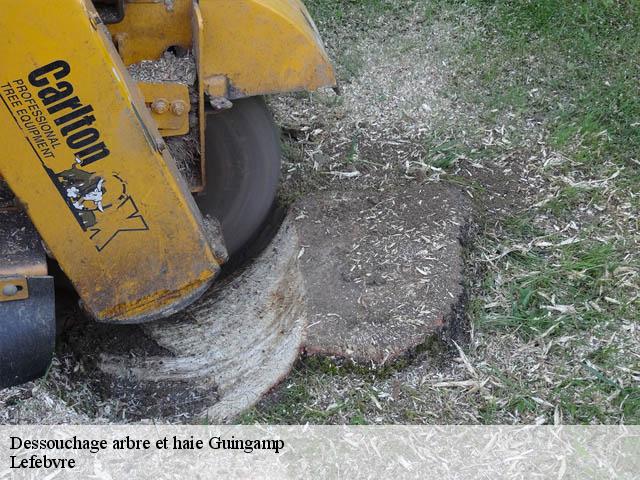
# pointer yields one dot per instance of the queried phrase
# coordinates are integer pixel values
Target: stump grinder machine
(136, 152)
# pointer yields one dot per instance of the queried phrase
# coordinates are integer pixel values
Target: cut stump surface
(382, 271)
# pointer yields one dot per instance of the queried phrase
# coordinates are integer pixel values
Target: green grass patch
(577, 63)
(557, 286)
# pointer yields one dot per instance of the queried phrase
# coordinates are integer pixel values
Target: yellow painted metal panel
(258, 46)
(82, 154)
(150, 27)
(263, 46)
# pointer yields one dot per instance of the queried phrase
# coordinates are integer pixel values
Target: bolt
(160, 106)
(178, 107)
(10, 290)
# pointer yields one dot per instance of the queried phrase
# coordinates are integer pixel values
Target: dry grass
(554, 272)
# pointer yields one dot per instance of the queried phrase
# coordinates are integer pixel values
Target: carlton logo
(98, 200)
(68, 112)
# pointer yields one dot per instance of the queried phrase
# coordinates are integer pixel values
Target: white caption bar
(447, 452)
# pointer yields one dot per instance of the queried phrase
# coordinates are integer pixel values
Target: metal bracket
(150, 27)
(169, 104)
(12, 289)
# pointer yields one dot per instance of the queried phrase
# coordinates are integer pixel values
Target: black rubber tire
(242, 168)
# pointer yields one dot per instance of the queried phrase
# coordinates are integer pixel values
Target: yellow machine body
(83, 155)
(249, 47)
(83, 147)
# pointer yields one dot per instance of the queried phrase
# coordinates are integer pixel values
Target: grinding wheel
(242, 170)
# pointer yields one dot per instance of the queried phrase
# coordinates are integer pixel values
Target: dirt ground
(430, 93)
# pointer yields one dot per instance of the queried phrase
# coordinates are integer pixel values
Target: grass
(549, 89)
(575, 62)
(559, 288)
(575, 65)
(295, 402)
(344, 10)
